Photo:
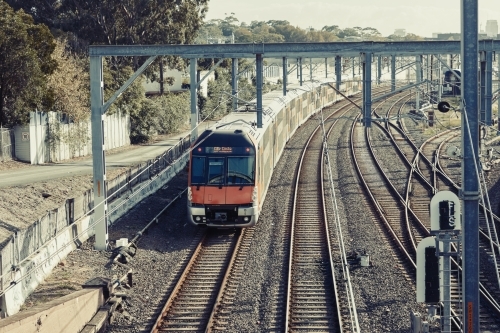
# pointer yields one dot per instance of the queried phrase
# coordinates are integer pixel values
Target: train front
(222, 189)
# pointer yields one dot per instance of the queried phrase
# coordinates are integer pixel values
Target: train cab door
(215, 191)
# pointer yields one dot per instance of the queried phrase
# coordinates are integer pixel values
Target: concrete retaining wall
(67, 314)
(33, 270)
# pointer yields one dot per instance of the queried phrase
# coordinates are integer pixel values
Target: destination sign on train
(229, 150)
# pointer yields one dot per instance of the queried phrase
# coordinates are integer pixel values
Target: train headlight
(190, 194)
(246, 219)
(198, 219)
(254, 194)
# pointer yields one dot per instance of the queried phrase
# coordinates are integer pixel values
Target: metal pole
(285, 74)
(427, 72)
(338, 72)
(353, 67)
(470, 147)
(418, 60)
(310, 69)
(393, 72)
(300, 71)
(194, 99)
(489, 85)
(259, 67)
(367, 88)
(379, 69)
(482, 88)
(498, 86)
(440, 78)
(234, 77)
(98, 156)
(326, 67)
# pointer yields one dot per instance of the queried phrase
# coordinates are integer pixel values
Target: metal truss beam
(279, 50)
(214, 67)
(117, 94)
(398, 90)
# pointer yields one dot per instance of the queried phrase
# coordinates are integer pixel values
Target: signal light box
(428, 290)
(445, 212)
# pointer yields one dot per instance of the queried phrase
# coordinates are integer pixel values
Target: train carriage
(231, 163)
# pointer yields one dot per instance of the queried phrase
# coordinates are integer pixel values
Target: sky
(422, 17)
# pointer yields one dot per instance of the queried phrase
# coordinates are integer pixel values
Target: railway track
(418, 193)
(312, 298)
(191, 305)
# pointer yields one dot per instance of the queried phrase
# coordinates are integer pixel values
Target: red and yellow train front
(222, 189)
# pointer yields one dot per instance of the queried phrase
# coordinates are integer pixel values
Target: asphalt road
(128, 157)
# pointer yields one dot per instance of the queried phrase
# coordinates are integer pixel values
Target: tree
(331, 28)
(69, 84)
(119, 22)
(25, 61)
(350, 32)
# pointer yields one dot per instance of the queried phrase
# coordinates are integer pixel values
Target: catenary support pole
(300, 71)
(194, 98)
(366, 59)
(489, 84)
(98, 156)
(326, 67)
(379, 69)
(259, 68)
(353, 67)
(482, 88)
(310, 69)
(285, 75)
(393, 72)
(470, 148)
(338, 72)
(234, 82)
(418, 61)
(439, 78)
(498, 86)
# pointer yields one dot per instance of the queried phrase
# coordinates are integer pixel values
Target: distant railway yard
(342, 195)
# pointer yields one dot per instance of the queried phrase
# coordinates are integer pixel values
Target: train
(451, 83)
(231, 162)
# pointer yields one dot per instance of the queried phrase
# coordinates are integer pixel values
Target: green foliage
(131, 99)
(25, 61)
(69, 84)
(174, 112)
(119, 22)
(217, 104)
(278, 31)
(159, 115)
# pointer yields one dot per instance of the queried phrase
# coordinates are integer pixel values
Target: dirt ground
(22, 205)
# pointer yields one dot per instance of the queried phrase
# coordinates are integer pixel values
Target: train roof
(221, 138)
(272, 102)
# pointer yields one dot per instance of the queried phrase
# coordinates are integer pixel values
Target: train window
(198, 170)
(240, 170)
(216, 170)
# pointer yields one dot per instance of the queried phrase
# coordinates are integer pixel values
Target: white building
(153, 88)
(492, 28)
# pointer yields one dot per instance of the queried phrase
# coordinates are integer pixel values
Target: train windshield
(223, 170)
(216, 170)
(198, 170)
(240, 170)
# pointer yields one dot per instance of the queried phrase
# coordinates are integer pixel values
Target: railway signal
(434, 255)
